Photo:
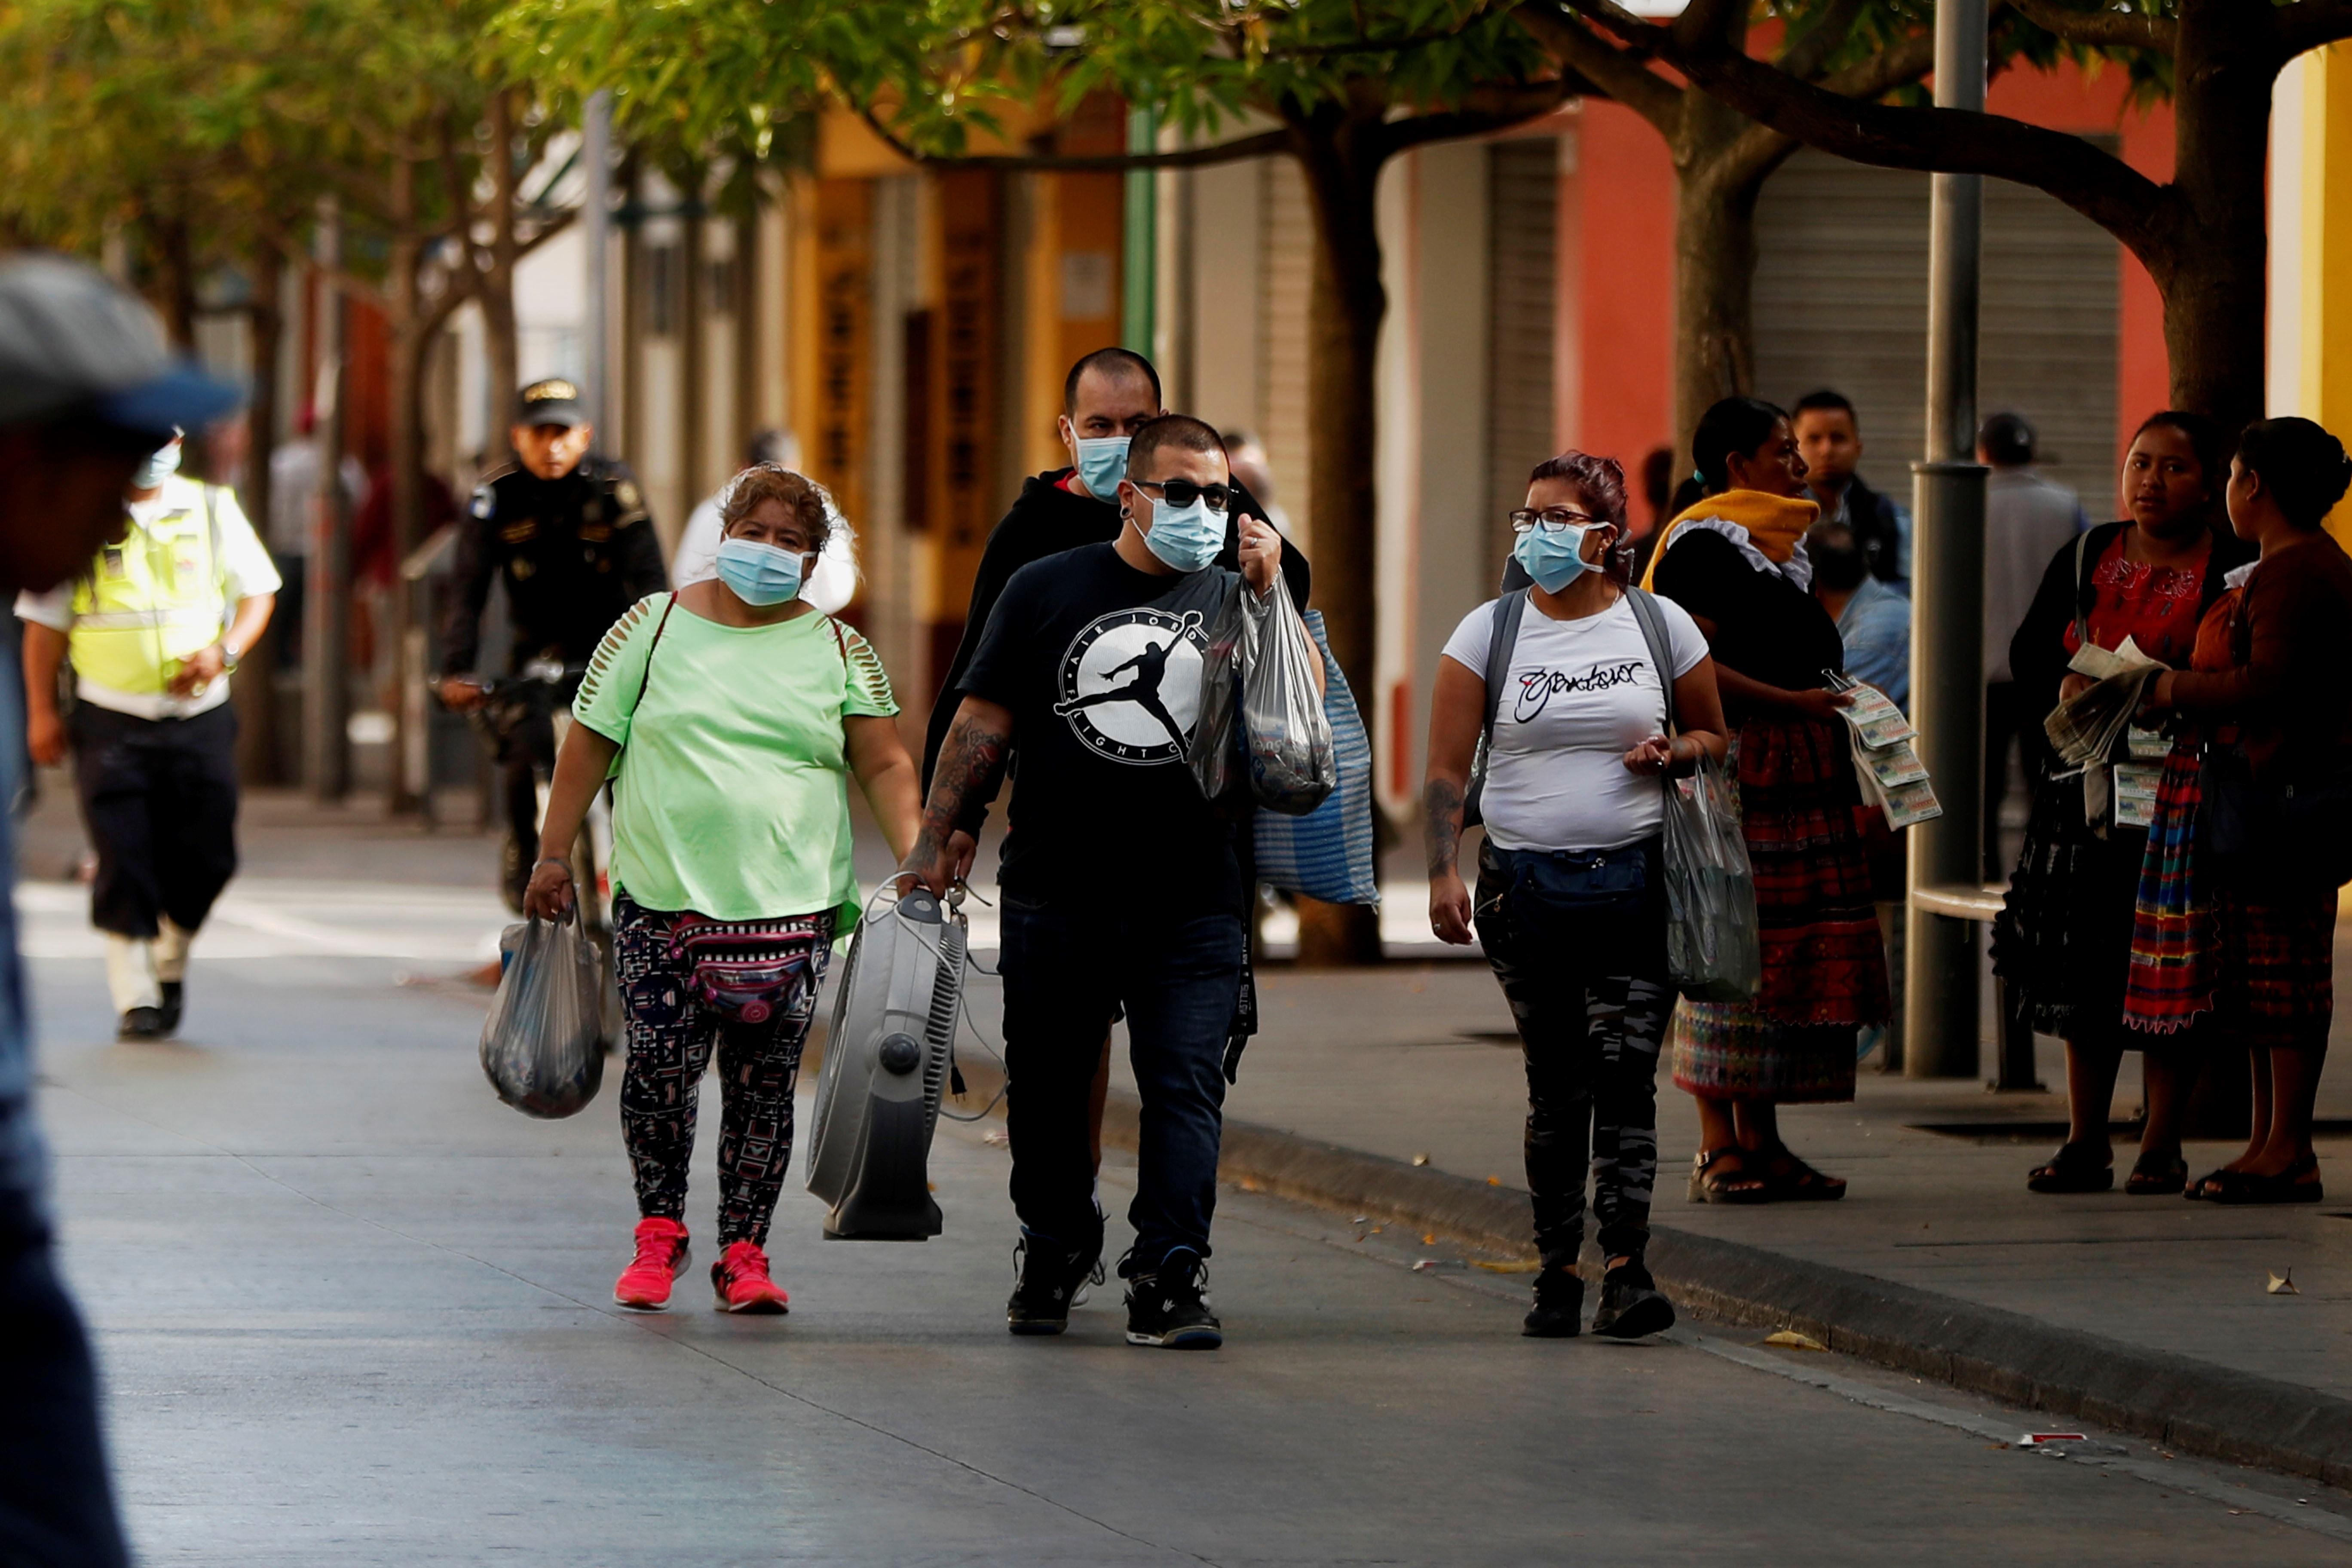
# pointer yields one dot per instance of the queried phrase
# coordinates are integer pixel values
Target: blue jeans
(1069, 966)
(57, 1506)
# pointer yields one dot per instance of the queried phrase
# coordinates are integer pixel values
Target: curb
(2174, 1400)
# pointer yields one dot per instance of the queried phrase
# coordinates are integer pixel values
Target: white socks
(137, 967)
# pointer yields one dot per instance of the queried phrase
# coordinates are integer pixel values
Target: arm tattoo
(971, 765)
(1443, 804)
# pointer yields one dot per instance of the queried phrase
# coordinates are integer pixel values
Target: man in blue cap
(87, 390)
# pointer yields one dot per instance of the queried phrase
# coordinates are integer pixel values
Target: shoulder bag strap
(1653, 632)
(646, 678)
(2082, 616)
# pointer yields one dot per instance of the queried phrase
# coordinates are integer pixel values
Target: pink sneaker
(740, 1278)
(661, 1253)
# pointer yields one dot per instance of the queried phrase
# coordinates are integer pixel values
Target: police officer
(569, 535)
(154, 626)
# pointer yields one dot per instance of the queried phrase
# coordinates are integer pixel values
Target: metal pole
(1140, 271)
(325, 634)
(1941, 968)
(596, 340)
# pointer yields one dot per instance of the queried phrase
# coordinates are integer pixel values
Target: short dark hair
(1600, 483)
(2302, 465)
(1735, 424)
(1177, 432)
(1113, 363)
(1825, 401)
(1839, 563)
(2205, 438)
(2007, 440)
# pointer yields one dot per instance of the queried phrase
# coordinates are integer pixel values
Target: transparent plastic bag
(1215, 752)
(543, 1044)
(1293, 762)
(1711, 938)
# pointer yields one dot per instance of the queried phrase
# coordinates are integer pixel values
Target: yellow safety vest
(150, 601)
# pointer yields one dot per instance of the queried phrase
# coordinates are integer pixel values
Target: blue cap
(73, 340)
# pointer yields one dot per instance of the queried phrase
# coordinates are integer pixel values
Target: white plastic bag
(543, 1044)
(1286, 736)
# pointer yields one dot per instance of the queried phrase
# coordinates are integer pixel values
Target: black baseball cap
(73, 340)
(554, 401)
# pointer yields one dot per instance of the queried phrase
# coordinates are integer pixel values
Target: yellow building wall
(2321, 338)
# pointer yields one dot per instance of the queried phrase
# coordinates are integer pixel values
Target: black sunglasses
(1185, 492)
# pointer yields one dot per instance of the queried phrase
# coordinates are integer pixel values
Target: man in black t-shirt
(1121, 885)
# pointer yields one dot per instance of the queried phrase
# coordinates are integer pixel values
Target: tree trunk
(693, 363)
(2214, 273)
(256, 689)
(501, 335)
(1718, 181)
(175, 277)
(1341, 153)
(405, 390)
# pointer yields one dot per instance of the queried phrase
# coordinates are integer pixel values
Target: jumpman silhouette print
(1150, 667)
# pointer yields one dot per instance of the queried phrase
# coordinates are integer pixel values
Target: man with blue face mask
(1091, 664)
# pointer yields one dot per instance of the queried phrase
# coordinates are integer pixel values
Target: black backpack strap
(646, 678)
(1653, 632)
(1509, 611)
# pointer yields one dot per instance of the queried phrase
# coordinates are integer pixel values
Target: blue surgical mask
(1187, 538)
(1553, 560)
(759, 573)
(1102, 463)
(160, 465)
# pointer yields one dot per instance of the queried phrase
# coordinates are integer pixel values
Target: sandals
(1787, 1179)
(1739, 1186)
(2286, 1187)
(2207, 1185)
(2076, 1168)
(2154, 1178)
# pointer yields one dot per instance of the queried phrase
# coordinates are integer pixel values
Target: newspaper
(2083, 729)
(1886, 763)
(2135, 794)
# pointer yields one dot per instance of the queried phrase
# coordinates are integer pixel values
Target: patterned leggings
(670, 1037)
(1590, 993)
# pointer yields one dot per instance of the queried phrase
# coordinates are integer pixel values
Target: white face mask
(160, 465)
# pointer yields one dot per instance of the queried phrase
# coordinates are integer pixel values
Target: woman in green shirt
(728, 715)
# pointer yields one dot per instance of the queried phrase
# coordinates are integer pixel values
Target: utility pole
(327, 621)
(1942, 970)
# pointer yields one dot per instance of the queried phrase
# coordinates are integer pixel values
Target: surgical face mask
(1553, 560)
(160, 465)
(759, 573)
(1102, 463)
(1187, 538)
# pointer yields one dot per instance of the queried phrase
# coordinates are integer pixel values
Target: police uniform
(156, 773)
(574, 553)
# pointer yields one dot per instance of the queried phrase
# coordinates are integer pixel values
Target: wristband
(552, 860)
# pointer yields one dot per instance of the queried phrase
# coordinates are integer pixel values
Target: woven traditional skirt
(1825, 963)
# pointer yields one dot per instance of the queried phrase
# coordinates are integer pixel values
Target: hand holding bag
(1712, 947)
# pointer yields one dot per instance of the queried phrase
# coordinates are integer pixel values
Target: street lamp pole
(1941, 968)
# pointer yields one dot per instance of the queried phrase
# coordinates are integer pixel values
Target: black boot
(1632, 1305)
(1558, 1311)
(142, 1024)
(175, 994)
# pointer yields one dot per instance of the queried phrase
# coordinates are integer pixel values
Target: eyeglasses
(1185, 492)
(1556, 520)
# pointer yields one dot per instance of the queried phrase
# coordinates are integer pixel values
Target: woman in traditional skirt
(1735, 559)
(2063, 938)
(2263, 707)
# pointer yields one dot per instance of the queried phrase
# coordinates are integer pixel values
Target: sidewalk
(1397, 1094)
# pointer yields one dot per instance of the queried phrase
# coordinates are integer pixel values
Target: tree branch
(1623, 73)
(1898, 65)
(1485, 111)
(2308, 24)
(1256, 146)
(2102, 188)
(2103, 28)
(1705, 23)
(1361, 44)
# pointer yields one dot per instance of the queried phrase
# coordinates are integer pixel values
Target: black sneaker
(1048, 1283)
(1632, 1305)
(1558, 1311)
(142, 1024)
(175, 995)
(1170, 1307)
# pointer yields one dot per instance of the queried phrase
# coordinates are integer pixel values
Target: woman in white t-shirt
(1570, 902)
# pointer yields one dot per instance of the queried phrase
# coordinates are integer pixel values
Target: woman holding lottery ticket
(1735, 559)
(2063, 940)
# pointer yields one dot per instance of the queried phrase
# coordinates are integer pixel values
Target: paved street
(352, 1310)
